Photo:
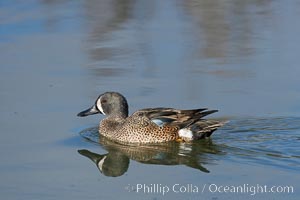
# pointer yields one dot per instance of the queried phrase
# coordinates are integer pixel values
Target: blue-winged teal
(150, 125)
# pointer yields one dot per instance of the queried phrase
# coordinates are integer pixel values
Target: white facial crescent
(99, 106)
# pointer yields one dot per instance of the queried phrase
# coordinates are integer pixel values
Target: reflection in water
(116, 161)
(262, 141)
(227, 28)
(101, 22)
(219, 28)
(206, 29)
(206, 50)
(111, 164)
(219, 53)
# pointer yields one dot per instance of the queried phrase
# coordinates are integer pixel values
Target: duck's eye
(104, 101)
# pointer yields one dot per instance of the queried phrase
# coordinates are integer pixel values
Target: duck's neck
(110, 125)
(118, 115)
(118, 111)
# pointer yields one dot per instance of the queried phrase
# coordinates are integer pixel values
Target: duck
(150, 125)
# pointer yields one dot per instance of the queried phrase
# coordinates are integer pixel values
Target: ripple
(272, 141)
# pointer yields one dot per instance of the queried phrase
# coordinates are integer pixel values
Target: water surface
(240, 57)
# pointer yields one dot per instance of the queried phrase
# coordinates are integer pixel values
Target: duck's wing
(171, 116)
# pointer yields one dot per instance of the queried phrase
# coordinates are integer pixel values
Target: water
(240, 57)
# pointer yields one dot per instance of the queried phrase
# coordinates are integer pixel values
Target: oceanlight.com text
(163, 189)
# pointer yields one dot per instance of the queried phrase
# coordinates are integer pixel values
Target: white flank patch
(185, 133)
(100, 163)
(100, 106)
(158, 122)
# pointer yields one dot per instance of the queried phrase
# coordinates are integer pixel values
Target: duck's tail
(200, 129)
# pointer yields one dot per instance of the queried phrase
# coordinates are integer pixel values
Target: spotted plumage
(150, 125)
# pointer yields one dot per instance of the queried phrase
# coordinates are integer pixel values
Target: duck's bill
(91, 111)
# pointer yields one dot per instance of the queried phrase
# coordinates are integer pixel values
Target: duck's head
(108, 103)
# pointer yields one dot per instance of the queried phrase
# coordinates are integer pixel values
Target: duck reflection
(116, 162)
(111, 164)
